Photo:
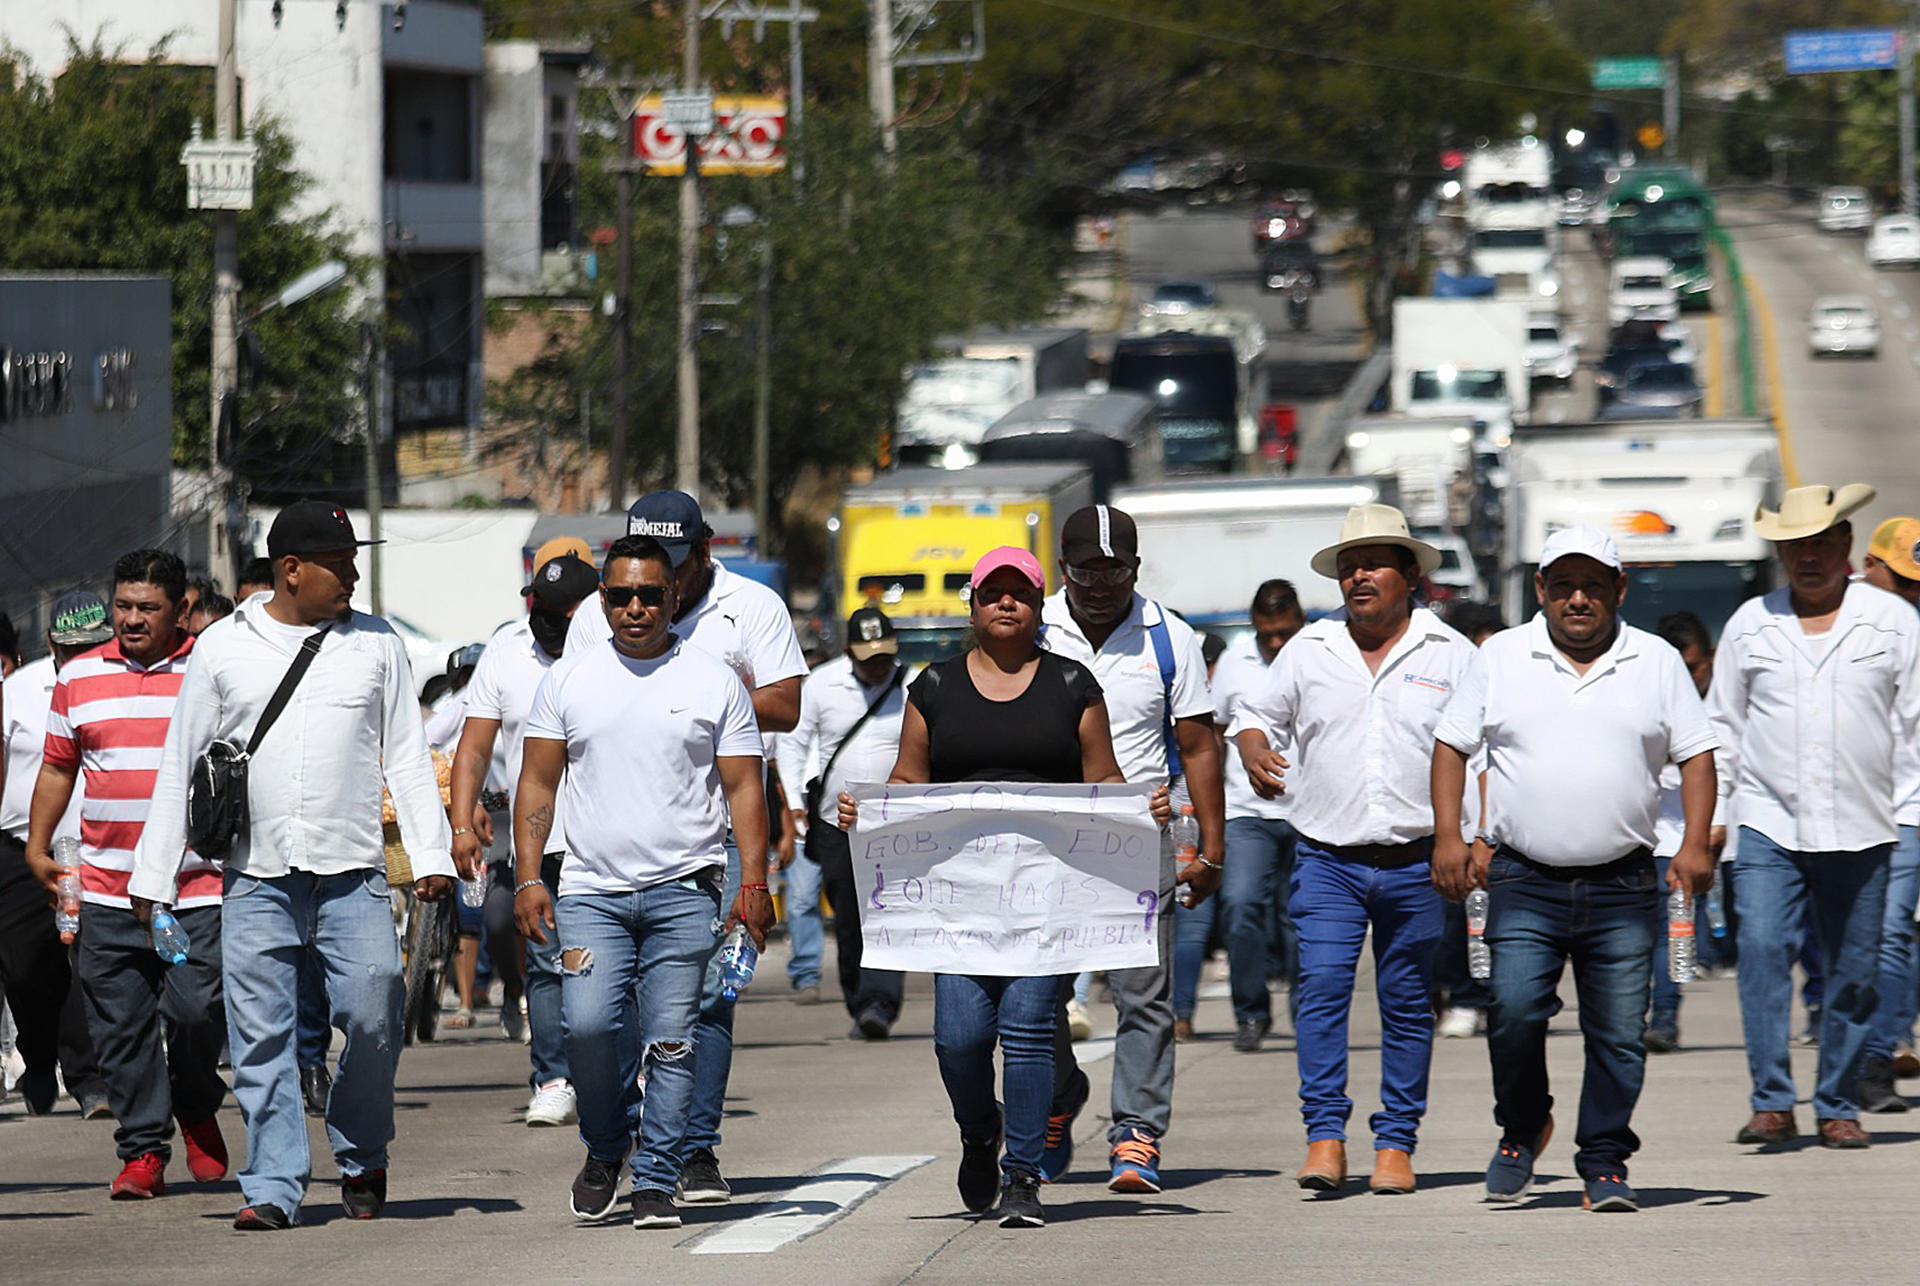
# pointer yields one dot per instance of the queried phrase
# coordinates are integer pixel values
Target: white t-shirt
(1241, 671)
(1574, 760)
(25, 699)
(740, 621)
(1129, 672)
(642, 793)
(502, 689)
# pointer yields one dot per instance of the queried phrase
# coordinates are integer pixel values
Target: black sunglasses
(618, 596)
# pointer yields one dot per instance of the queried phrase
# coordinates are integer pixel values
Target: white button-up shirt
(832, 701)
(25, 699)
(1240, 670)
(1129, 672)
(1806, 722)
(1574, 760)
(1360, 743)
(314, 785)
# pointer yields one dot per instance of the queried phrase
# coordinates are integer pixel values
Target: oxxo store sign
(38, 383)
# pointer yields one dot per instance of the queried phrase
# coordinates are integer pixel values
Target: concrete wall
(510, 163)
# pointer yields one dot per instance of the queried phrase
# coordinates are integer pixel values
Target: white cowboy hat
(1374, 525)
(1808, 511)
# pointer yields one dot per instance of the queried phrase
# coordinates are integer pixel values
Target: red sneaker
(140, 1179)
(206, 1150)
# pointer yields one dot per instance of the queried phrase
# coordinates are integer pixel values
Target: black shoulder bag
(817, 785)
(217, 813)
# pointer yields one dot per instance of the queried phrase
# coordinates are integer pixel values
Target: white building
(387, 122)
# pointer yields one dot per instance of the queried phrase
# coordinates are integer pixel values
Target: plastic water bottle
(738, 956)
(1680, 942)
(169, 939)
(1479, 954)
(1716, 909)
(1184, 829)
(474, 892)
(66, 911)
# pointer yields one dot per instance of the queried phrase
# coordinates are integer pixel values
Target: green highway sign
(1629, 73)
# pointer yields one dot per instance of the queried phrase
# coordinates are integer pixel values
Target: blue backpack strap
(1163, 650)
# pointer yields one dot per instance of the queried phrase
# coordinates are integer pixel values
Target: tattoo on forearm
(540, 822)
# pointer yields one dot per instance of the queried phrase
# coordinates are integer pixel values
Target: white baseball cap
(1595, 544)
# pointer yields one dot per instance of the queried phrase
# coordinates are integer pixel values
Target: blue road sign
(1842, 49)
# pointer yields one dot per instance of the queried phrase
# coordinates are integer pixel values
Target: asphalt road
(842, 1155)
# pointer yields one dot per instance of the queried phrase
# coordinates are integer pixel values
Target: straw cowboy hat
(1374, 525)
(1808, 511)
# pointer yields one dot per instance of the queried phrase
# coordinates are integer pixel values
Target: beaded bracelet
(745, 887)
(524, 885)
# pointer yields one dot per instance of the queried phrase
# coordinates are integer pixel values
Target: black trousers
(37, 977)
(864, 989)
(130, 990)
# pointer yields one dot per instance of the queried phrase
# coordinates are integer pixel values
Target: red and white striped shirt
(109, 717)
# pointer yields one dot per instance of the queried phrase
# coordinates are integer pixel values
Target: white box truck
(1456, 358)
(1428, 459)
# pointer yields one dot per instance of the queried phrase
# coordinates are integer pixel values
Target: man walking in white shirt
(1354, 702)
(1573, 696)
(308, 871)
(1808, 684)
(657, 743)
(849, 732)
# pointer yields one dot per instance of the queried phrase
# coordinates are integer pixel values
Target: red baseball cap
(1013, 556)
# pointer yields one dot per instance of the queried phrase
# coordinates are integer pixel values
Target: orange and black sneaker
(1057, 1153)
(1136, 1163)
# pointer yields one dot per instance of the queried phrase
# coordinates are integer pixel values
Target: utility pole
(370, 356)
(622, 334)
(687, 473)
(1908, 204)
(796, 92)
(1670, 107)
(226, 293)
(880, 72)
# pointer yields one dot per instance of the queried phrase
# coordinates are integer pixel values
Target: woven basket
(399, 866)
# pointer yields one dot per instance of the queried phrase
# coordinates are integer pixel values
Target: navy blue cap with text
(670, 517)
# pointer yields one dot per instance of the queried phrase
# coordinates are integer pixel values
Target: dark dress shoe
(316, 1083)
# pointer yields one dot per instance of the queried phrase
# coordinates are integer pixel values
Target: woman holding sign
(1005, 710)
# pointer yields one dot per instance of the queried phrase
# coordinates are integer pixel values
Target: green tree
(90, 178)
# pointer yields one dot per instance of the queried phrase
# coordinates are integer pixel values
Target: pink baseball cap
(1013, 556)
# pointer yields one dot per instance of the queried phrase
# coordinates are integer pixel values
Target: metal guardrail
(1320, 451)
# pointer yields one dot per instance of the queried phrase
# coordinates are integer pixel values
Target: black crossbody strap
(899, 675)
(284, 693)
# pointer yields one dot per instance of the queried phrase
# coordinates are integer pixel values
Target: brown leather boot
(1392, 1172)
(1326, 1167)
(1768, 1127)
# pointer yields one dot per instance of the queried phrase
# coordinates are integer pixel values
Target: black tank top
(1034, 737)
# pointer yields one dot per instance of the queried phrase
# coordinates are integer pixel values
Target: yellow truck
(906, 542)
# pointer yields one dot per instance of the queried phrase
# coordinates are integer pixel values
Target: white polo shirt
(740, 622)
(1361, 744)
(1240, 670)
(502, 689)
(832, 702)
(1806, 723)
(1129, 672)
(642, 793)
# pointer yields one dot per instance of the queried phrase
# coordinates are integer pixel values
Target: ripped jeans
(631, 965)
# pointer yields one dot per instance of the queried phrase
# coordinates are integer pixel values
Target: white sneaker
(1079, 1021)
(553, 1104)
(1459, 1024)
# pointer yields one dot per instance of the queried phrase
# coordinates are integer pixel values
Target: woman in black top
(1005, 710)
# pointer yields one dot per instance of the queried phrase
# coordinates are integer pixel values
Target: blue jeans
(267, 926)
(1334, 901)
(1604, 921)
(805, 928)
(1192, 931)
(316, 1034)
(1848, 894)
(969, 1015)
(546, 1010)
(712, 1036)
(1260, 853)
(1899, 985)
(646, 953)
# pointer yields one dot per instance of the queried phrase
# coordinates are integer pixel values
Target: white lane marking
(1215, 991)
(1094, 1050)
(808, 1207)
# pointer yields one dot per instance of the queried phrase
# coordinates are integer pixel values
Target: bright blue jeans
(969, 1014)
(1259, 865)
(805, 929)
(645, 954)
(1334, 901)
(267, 926)
(1899, 984)
(712, 1036)
(1192, 931)
(1603, 921)
(1848, 894)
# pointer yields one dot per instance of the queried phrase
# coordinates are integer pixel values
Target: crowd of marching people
(631, 768)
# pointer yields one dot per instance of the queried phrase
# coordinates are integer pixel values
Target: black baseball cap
(1099, 531)
(312, 527)
(561, 582)
(670, 517)
(79, 619)
(869, 633)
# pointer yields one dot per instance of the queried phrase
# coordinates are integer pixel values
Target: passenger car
(1839, 324)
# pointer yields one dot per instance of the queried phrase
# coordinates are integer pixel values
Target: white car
(1550, 354)
(1641, 288)
(1457, 576)
(1844, 210)
(1841, 324)
(1678, 337)
(1894, 240)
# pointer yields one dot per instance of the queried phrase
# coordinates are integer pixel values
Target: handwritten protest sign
(1008, 879)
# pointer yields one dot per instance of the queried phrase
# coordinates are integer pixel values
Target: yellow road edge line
(1776, 394)
(1716, 364)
